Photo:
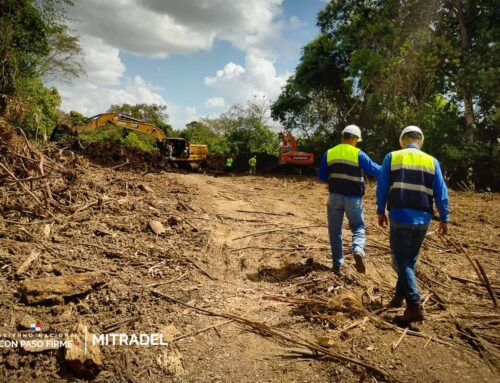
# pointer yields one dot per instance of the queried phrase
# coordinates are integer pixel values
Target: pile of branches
(35, 181)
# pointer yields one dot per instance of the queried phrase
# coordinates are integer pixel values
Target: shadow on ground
(287, 272)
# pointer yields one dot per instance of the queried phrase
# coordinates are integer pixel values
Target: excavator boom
(178, 149)
(123, 121)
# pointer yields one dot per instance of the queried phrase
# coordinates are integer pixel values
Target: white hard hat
(409, 129)
(354, 130)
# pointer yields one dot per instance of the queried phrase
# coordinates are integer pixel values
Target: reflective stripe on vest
(412, 180)
(344, 174)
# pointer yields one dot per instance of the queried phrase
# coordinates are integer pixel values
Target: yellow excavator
(175, 148)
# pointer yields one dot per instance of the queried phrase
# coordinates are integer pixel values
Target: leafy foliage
(35, 45)
(41, 114)
(200, 133)
(243, 129)
(387, 64)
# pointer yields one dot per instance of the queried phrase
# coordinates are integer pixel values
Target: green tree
(35, 45)
(41, 115)
(64, 60)
(387, 64)
(200, 133)
(75, 117)
(23, 43)
(245, 129)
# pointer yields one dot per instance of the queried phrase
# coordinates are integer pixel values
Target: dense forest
(379, 64)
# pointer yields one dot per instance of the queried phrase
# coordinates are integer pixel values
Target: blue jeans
(353, 208)
(406, 241)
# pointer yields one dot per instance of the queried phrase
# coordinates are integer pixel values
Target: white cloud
(215, 102)
(295, 23)
(157, 28)
(238, 84)
(229, 72)
(102, 62)
(91, 99)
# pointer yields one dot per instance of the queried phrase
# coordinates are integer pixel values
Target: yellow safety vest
(344, 173)
(412, 180)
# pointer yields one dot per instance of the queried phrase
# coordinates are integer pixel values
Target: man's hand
(443, 228)
(382, 220)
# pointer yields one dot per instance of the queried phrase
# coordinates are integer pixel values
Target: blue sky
(196, 56)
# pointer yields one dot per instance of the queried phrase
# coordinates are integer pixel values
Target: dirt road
(269, 237)
(257, 248)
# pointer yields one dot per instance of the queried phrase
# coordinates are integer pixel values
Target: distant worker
(409, 181)
(229, 164)
(253, 164)
(342, 167)
(170, 150)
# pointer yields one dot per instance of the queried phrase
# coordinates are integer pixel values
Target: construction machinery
(292, 158)
(177, 149)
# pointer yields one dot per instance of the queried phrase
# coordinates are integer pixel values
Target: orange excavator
(289, 155)
(178, 149)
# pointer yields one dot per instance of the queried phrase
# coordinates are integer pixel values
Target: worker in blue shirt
(342, 168)
(409, 181)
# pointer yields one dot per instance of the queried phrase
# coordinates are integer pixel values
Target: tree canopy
(387, 64)
(35, 45)
(244, 129)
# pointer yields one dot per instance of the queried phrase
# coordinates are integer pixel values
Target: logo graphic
(36, 327)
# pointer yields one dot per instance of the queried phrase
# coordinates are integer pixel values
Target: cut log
(34, 255)
(82, 355)
(56, 288)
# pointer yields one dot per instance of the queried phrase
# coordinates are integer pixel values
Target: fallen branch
(279, 248)
(119, 166)
(263, 212)
(462, 279)
(34, 255)
(189, 223)
(353, 325)
(110, 327)
(167, 282)
(186, 206)
(200, 331)
(268, 331)
(422, 335)
(201, 269)
(398, 342)
(488, 284)
(274, 231)
(82, 208)
(21, 184)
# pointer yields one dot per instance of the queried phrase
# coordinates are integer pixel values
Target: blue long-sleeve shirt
(411, 216)
(365, 163)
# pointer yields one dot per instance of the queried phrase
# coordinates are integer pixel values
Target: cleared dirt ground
(249, 256)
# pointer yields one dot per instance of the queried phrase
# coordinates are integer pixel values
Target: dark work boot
(396, 302)
(337, 271)
(360, 265)
(414, 312)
